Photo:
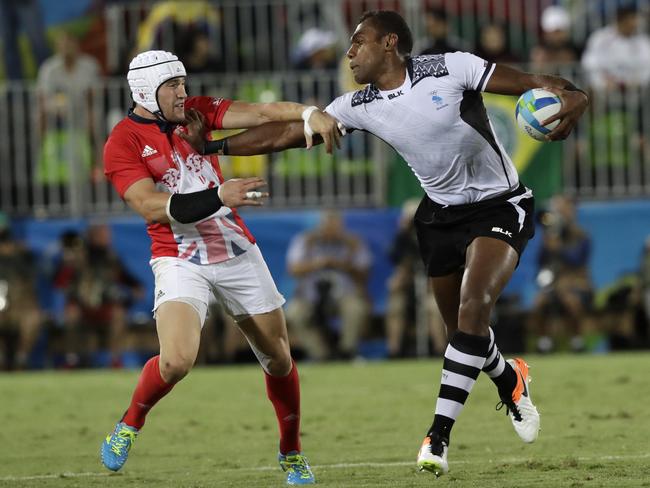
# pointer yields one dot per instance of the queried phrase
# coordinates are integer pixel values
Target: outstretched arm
(264, 139)
(267, 138)
(242, 115)
(509, 81)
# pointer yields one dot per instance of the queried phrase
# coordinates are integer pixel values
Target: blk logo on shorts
(501, 231)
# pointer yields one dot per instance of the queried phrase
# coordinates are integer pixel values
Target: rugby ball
(535, 106)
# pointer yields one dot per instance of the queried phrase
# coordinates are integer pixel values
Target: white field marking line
(346, 465)
(467, 461)
(53, 476)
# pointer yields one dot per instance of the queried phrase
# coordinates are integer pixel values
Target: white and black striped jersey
(437, 122)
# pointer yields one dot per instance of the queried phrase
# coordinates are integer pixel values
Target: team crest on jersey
(194, 163)
(438, 100)
(422, 67)
(171, 178)
(367, 95)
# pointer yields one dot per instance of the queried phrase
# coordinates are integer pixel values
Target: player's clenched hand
(239, 192)
(574, 104)
(195, 127)
(327, 126)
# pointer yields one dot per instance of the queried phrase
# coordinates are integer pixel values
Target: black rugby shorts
(444, 232)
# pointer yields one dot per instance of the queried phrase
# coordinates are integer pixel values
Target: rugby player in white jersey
(200, 245)
(476, 217)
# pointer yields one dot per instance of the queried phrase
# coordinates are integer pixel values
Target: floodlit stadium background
(364, 414)
(51, 136)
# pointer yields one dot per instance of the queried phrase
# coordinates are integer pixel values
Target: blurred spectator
(316, 49)
(566, 291)
(618, 55)
(20, 315)
(645, 275)
(331, 266)
(624, 306)
(438, 40)
(193, 47)
(168, 17)
(645, 286)
(618, 305)
(71, 262)
(65, 83)
(493, 45)
(25, 14)
(555, 49)
(409, 298)
(98, 291)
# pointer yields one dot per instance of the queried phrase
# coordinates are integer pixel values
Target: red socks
(151, 388)
(284, 393)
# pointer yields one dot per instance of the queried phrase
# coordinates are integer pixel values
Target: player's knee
(474, 312)
(279, 365)
(175, 368)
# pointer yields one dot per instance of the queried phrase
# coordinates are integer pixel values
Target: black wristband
(220, 147)
(192, 207)
(571, 87)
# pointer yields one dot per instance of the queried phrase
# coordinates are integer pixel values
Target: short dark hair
(625, 11)
(390, 22)
(437, 13)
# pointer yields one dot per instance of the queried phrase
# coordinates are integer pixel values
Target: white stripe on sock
(501, 364)
(457, 380)
(448, 408)
(467, 359)
(491, 357)
(491, 347)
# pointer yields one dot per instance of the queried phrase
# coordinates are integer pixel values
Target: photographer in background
(98, 291)
(20, 314)
(410, 299)
(566, 291)
(645, 281)
(331, 266)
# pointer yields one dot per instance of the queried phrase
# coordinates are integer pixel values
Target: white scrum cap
(149, 70)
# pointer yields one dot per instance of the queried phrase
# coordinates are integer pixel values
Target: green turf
(362, 426)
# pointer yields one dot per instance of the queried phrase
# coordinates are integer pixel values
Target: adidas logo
(148, 151)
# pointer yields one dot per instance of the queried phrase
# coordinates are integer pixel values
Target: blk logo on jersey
(501, 231)
(398, 93)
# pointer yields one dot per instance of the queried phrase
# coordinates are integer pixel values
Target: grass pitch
(362, 427)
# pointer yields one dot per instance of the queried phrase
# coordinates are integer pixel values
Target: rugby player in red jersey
(199, 244)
